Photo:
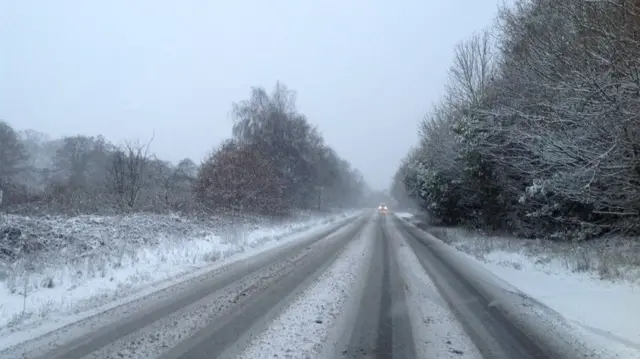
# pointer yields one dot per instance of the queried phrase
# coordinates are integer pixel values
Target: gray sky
(365, 70)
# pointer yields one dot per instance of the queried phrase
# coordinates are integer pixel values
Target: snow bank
(56, 267)
(594, 285)
(558, 332)
(403, 215)
(605, 258)
(601, 308)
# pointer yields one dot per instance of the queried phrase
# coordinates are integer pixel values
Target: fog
(365, 72)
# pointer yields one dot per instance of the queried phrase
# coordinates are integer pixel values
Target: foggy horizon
(365, 73)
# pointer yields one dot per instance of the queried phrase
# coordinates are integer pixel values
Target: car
(382, 208)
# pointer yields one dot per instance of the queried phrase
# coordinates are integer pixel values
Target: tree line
(539, 130)
(274, 163)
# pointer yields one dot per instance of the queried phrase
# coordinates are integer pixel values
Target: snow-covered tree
(539, 129)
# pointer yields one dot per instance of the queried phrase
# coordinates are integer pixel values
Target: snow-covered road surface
(371, 287)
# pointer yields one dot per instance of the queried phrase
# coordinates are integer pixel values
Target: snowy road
(368, 288)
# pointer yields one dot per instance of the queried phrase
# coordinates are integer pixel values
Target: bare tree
(72, 160)
(271, 125)
(577, 102)
(239, 178)
(546, 124)
(187, 169)
(128, 167)
(175, 183)
(472, 70)
(13, 156)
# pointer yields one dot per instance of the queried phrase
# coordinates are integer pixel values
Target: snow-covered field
(54, 268)
(596, 286)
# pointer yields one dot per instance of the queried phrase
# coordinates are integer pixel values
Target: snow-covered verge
(611, 259)
(595, 286)
(67, 266)
(572, 280)
(558, 334)
(411, 217)
(404, 215)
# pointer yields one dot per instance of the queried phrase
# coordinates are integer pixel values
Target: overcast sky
(365, 71)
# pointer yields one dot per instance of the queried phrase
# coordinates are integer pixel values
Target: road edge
(544, 326)
(157, 292)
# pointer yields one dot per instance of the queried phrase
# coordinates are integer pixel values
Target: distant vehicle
(382, 208)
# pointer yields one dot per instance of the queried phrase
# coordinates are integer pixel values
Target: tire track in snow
(381, 328)
(494, 334)
(306, 328)
(436, 330)
(158, 325)
(215, 322)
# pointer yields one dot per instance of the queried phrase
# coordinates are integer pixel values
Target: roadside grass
(607, 258)
(81, 263)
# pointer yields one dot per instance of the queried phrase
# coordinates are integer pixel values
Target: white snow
(154, 340)
(404, 215)
(304, 328)
(607, 311)
(599, 312)
(437, 332)
(141, 270)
